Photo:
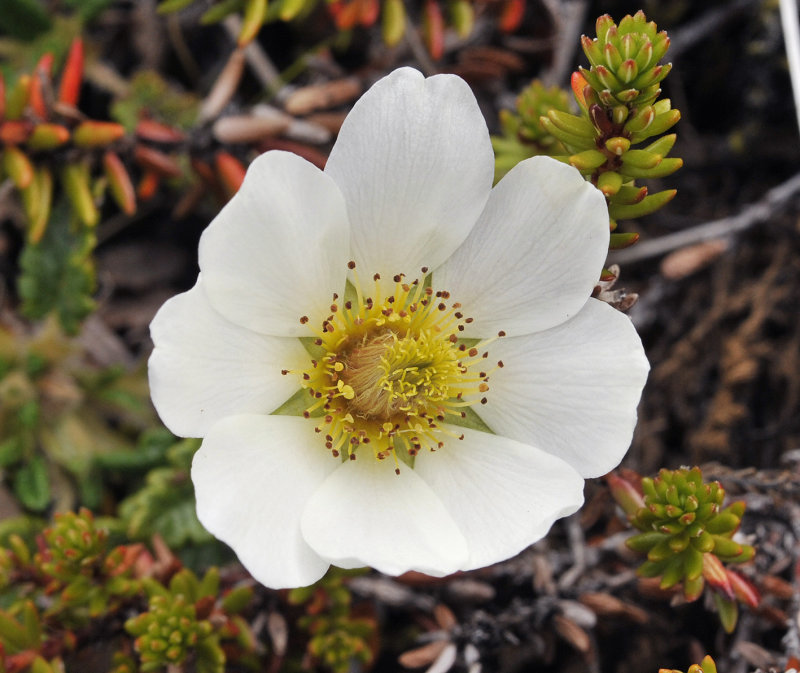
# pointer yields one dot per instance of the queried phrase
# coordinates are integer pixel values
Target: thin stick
(750, 215)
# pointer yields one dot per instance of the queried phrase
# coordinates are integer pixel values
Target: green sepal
(693, 563)
(209, 585)
(661, 551)
(237, 599)
(666, 167)
(679, 542)
(673, 573)
(644, 542)
(728, 611)
(573, 124)
(725, 547)
(637, 159)
(693, 588)
(662, 147)
(652, 76)
(588, 160)
(569, 139)
(661, 122)
(621, 241)
(609, 182)
(736, 508)
(651, 568)
(641, 119)
(724, 523)
(647, 205)
(747, 553)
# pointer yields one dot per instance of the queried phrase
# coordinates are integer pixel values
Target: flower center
(392, 370)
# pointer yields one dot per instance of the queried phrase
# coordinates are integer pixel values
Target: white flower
(407, 190)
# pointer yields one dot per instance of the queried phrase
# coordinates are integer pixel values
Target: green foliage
(523, 135)
(619, 111)
(169, 631)
(336, 636)
(54, 411)
(151, 94)
(166, 504)
(24, 19)
(57, 273)
(687, 536)
(76, 581)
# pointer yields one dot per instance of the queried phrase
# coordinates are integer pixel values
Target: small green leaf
(32, 485)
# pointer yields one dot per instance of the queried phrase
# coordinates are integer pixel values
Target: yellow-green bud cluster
(75, 546)
(523, 135)
(617, 96)
(336, 642)
(625, 59)
(167, 633)
(681, 522)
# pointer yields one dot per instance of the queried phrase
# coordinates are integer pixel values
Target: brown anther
(351, 265)
(468, 320)
(458, 314)
(377, 276)
(303, 319)
(424, 269)
(482, 375)
(501, 333)
(390, 299)
(397, 278)
(453, 338)
(352, 456)
(473, 352)
(483, 387)
(335, 453)
(306, 414)
(306, 377)
(317, 342)
(334, 308)
(461, 437)
(328, 445)
(397, 471)
(500, 364)
(284, 371)
(348, 305)
(406, 287)
(428, 291)
(484, 400)
(442, 307)
(485, 355)
(335, 296)
(460, 328)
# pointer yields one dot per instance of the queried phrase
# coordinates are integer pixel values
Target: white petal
(415, 164)
(252, 477)
(535, 254)
(279, 249)
(572, 390)
(365, 514)
(204, 367)
(504, 495)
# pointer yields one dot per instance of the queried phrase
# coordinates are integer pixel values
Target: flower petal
(252, 477)
(415, 164)
(365, 514)
(204, 367)
(571, 390)
(504, 495)
(535, 254)
(279, 249)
